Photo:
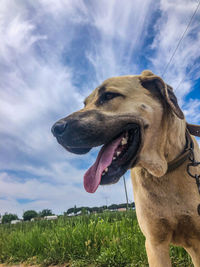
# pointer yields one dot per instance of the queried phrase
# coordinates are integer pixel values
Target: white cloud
(175, 16)
(191, 111)
(121, 30)
(59, 197)
(37, 88)
(39, 85)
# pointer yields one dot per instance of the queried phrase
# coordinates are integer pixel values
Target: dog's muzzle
(121, 136)
(65, 135)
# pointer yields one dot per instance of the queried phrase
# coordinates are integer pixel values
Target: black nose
(59, 128)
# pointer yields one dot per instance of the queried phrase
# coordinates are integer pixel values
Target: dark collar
(188, 154)
(189, 147)
(174, 164)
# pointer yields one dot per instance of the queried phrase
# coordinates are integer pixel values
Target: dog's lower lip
(78, 150)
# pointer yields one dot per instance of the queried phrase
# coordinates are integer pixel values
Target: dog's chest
(156, 194)
(163, 211)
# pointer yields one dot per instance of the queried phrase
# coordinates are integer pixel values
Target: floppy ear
(147, 78)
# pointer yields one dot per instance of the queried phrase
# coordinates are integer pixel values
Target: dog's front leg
(194, 252)
(158, 254)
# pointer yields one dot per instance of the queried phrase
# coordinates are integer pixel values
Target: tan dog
(139, 122)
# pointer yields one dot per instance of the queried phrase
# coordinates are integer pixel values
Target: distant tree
(70, 210)
(45, 212)
(123, 205)
(131, 205)
(113, 207)
(8, 217)
(89, 209)
(75, 210)
(29, 214)
(79, 209)
(94, 209)
(85, 209)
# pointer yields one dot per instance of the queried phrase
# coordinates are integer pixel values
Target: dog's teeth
(106, 170)
(114, 158)
(118, 153)
(124, 141)
(103, 173)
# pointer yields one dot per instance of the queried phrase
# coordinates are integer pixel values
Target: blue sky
(52, 54)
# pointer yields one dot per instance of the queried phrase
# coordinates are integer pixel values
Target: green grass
(108, 239)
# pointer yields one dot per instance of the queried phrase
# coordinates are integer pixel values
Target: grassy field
(108, 239)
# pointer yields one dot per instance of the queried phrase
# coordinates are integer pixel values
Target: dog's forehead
(123, 84)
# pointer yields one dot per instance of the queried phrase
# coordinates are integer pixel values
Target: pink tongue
(92, 177)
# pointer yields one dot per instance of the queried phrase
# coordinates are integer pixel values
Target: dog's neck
(175, 139)
(169, 143)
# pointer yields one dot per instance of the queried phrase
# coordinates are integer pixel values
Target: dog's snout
(59, 128)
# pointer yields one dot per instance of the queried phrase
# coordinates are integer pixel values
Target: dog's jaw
(156, 165)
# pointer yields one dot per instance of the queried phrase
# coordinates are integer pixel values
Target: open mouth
(114, 158)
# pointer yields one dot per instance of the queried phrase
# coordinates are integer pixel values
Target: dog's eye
(108, 96)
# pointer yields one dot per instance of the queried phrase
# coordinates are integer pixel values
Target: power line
(180, 83)
(172, 56)
(189, 72)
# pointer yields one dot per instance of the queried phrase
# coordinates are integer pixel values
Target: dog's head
(125, 115)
